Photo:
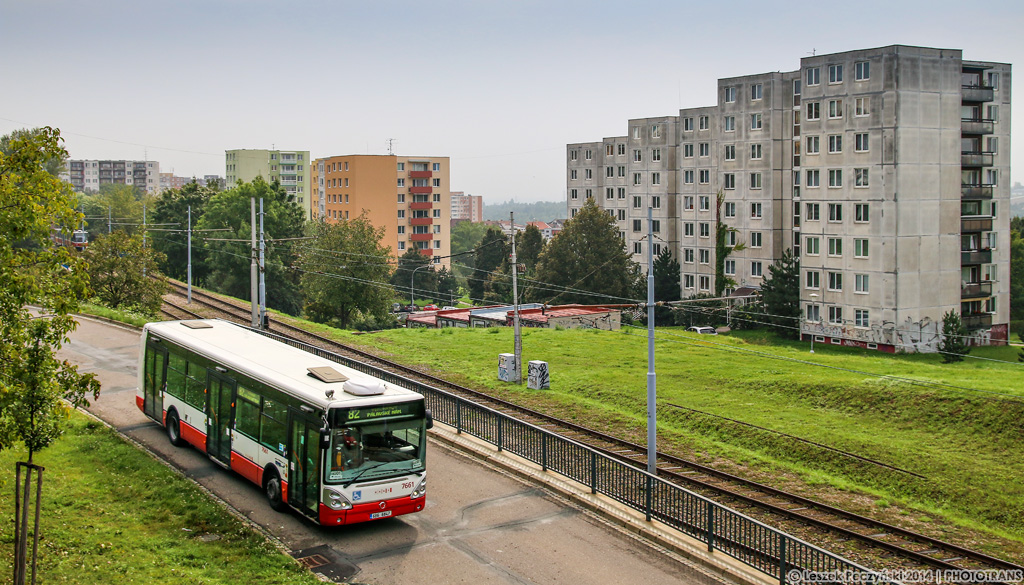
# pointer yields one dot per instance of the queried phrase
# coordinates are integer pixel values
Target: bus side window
(195, 393)
(176, 375)
(272, 429)
(247, 412)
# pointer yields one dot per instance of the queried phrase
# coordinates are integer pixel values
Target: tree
(722, 247)
(345, 270)
(171, 210)
(115, 207)
(953, 346)
(229, 252)
(1017, 274)
(586, 262)
(124, 274)
(53, 164)
(447, 286)
(666, 284)
(491, 251)
(780, 293)
(529, 245)
(414, 270)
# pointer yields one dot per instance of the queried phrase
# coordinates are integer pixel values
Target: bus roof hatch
(327, 374)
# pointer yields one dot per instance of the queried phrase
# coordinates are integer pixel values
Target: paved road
(480, 525)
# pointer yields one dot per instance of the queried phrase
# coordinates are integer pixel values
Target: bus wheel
(174, 429)
(272, 487)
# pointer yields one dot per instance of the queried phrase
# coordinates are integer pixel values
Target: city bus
(332, 443)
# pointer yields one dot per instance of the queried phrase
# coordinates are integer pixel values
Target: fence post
(782, 559)
(710, 525)
(544, 451)
(593, 472)
(650, 495)
(501, 428)
(458, 416)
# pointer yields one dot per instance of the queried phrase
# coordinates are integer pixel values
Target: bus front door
(304, 463)
(220, 400)
(156, 378)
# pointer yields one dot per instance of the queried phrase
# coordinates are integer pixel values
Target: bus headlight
(336, 501)
(421, 489)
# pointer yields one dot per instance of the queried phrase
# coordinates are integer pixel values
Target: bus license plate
(383, 514)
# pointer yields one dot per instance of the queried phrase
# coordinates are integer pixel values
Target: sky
(498, 87)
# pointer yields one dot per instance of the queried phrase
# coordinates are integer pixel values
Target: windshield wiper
(361, 473)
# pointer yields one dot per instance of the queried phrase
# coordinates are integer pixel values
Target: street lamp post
(412, 289)
(814, 298)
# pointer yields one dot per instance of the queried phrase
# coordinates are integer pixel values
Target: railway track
(856, 537)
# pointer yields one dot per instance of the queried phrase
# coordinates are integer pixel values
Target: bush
(370, 323)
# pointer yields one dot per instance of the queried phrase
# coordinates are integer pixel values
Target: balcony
(977, 321)
(429, 252)
(976, 93)
(419, 174)
(420, 204)
(976, 290)
(976, 191)
(420, 221)
(421, 237)
(977, 126)
(968, 257)
(420, 190)
(977, 159)
(975, 224)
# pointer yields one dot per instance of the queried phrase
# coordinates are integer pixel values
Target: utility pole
(517, 373)
(652, 395)
(143, 238)
(254, 293)
(263, 284)
(189, 269)
(110, 219)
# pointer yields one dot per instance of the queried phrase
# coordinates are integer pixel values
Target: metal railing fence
(762, 547)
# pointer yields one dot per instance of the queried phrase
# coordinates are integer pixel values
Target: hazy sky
(499, 87)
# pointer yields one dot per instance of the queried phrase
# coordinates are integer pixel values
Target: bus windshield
(371, 450)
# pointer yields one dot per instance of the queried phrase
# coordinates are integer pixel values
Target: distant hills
(537, 211)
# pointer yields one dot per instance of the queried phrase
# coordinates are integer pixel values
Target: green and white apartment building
(290, 167)
(886, 171)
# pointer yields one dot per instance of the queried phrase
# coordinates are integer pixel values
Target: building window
(401, 245)
(755, 121)
(687, 124)
(656, 155)
(835, 143)
(755, 268)
(609, 172)
(705, 230)
(813, 279)
(609, 193)
(835, 212)
(590, 193)
(656, 201)
(860, 177)
(656, 249)
(437, 182)
(813, 76)
(622, 170)
(401, 182)
(688, 255)
(755, 152)
(812, 111)
(588, 174)
(730, 238)
(655, 131)
(688, 281)
(730, 267)
(812, 144)
(862, 71)
(572, 174)
(835, 109)
(401, 165)
(401, 214)
(812, 246)
(861, 213)
(688, 202)
(835, 281)
(861, 107)
(702, 123)
(813, 314)
(638, 202)
(860, 318)
(730, 152)
(813, 212)
(730, 95)
(756, 91)
(609, 149)
(655, 225)
(729, 123)
(622, 215)
(860, 142)
(437, 166)
(860, 248)
(638, 225)
(704, 149)
(835, 178)
(835, 315)
(835, 73)
(705, 176)
(705, 256)
(688, 177)
(729, 181)
(621, 193)
(755, 211)
(755, 181)
(638, 155)
(813, 177)
(638, 248)
(705, 283)
(755, 239)
(860, 283)
(573, 194)
(688, 151)
(705, 203)
(437, 213)
(401, 197)
(835, 246)
(730, 209)
(655, 178)
(638, 179)
(636, 132)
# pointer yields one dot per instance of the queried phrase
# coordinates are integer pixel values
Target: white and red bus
(337, 445)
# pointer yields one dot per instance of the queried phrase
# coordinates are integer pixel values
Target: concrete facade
(885, 170)
(408, 196)
(86, 176)
(290, 167)
(467, 207)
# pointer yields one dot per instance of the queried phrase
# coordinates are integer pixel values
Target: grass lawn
(111, 514)
(958, 425)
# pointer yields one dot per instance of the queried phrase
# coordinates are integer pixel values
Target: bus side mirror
(430, 420)
(325, 438)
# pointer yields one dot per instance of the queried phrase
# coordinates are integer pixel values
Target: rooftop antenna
(813, 52)
(390, 150)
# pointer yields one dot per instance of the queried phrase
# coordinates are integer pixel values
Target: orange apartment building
(408, 196)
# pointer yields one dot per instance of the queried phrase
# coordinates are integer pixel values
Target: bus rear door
(156, 378)
(304, 463)
(221, 401)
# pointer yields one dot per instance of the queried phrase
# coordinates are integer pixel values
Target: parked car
(703, 330)
(431, 307)
(447, 308)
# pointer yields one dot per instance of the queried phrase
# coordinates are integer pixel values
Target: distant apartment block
(87, 176)
(408, 196)
(290, 167)
(886, 171)
(467, 207)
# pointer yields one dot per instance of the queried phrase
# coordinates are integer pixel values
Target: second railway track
(859, 538)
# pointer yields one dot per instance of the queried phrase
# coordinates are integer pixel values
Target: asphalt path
(480, 525)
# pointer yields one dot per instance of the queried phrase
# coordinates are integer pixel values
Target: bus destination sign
(385, 411)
